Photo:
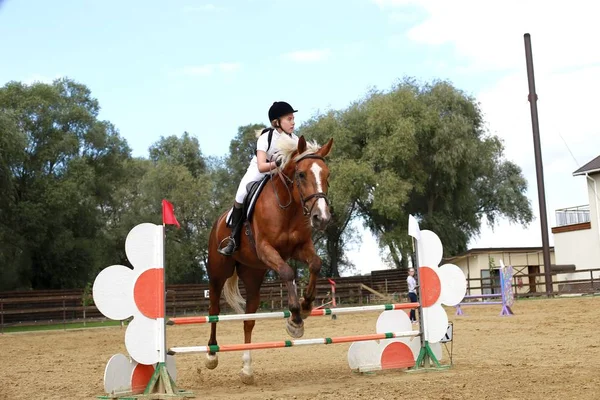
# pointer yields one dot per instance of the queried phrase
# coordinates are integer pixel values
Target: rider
(281, 115)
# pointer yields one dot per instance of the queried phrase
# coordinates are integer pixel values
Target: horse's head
(309, 172)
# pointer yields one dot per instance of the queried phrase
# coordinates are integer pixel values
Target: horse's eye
(302, 175)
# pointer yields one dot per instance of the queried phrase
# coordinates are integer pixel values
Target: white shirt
(263, 142)
(412, 284)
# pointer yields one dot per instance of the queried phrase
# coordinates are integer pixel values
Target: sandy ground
(548, 350)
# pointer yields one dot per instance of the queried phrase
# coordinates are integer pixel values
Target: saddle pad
(253, 191)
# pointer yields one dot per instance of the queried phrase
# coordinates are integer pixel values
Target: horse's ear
(301, 145)
(326, 149)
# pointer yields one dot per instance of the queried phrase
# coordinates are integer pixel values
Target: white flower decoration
(389, 353)
(123, 375)
(439, 285)
(120, 292)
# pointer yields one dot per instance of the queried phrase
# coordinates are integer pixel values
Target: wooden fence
(62, 306)
(584, 281)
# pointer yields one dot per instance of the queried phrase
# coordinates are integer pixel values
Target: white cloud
(490, 34)
(209, 69)
(308, 55)
(566, 109)
(488, 37)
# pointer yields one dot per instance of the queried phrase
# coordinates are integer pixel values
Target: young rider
(281, 116)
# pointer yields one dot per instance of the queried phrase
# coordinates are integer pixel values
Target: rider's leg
(236, 227)
(252, 174)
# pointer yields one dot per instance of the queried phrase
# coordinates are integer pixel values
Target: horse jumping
(288, 208)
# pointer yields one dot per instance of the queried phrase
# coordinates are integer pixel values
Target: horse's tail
(232, 294)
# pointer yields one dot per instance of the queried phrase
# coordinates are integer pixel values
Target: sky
(159, 68)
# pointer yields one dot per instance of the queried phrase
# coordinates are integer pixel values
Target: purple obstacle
(507, 295)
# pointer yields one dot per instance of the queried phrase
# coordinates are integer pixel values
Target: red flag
(169, 214)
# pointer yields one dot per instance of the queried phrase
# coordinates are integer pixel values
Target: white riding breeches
(252, 175)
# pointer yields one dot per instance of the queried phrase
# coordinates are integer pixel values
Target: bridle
(287, 181)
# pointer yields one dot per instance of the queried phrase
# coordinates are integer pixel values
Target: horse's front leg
(271, 258)
(308, 255)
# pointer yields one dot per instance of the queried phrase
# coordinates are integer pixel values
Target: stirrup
(220, 248)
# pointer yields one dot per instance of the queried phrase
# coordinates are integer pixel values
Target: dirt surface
(548, 350)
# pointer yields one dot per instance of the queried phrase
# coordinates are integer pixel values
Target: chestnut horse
(289, 206)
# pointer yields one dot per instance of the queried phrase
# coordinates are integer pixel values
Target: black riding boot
(234, 238)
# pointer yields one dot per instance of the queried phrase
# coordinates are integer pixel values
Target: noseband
(303, 200)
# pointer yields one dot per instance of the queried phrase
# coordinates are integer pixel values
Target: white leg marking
(321, 205)
(247, 360)
(211, 361)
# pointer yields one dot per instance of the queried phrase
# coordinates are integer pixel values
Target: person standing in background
(412, 292)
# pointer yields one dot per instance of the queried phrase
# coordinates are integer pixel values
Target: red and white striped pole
(332, 283)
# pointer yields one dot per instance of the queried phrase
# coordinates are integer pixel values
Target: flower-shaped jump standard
(439, 285)
(121, 292)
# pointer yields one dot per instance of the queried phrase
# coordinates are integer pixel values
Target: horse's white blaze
(321, 204)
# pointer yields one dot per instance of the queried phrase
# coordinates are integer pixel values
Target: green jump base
(160, 386)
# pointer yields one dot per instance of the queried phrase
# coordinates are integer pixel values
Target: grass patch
(53, 327)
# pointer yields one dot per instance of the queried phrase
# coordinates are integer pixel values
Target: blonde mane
(286, 146)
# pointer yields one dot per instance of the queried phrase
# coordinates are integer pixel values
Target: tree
(182, 175)
(184, 151)
(421, 149)
(241, 150)
(342, 194)
(61, 166)
(466, 177)
(12, 141)
(70, 190)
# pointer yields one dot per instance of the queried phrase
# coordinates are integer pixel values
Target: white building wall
(593, 185)
(582, 247)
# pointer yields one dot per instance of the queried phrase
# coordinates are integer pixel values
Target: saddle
(253, 190)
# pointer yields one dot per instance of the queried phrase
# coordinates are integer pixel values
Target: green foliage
(418, 149)
(61, 166)
(87, 298)
(241, 150)
(70, 190)
(184, 151)
(331, 245)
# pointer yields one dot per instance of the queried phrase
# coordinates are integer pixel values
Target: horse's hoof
(294, 330)
(211, 361)
(246, 379)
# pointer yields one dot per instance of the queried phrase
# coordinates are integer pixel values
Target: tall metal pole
(539, 169)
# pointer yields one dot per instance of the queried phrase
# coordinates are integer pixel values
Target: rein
(287, 181)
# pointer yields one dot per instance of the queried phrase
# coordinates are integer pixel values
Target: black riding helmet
(279, 109)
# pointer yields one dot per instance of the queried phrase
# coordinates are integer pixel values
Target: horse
(276, 232)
